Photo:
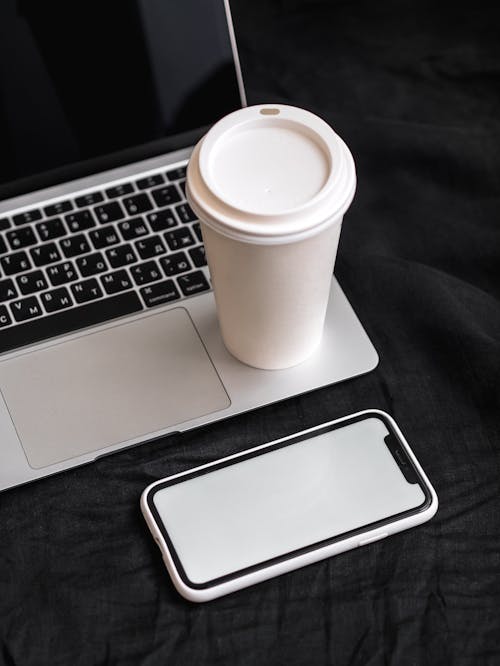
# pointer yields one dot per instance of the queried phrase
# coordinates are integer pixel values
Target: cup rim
(308, 218)
(288, 118)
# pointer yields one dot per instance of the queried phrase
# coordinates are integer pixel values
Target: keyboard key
(31, 282)
(162, 219)
(193, 283)
(182, 185)
(19, 238)
(133, 228)
(176, 174)
(7, 290)
(74, 245)
(58, 208)
(15, 263)
(45, 254)
(121, 256)
(28, 216)
(3, 246)
(89, 199)
(88, 290)
(57, 299)
(185, 213)
(80, 220)
(51, 229)
(149, 271)
(109, 212)
(197, 230)
(104, 237)
(69, 320)
(197, 255)
(139, 203)
(176, 263)
(179, 238)
(5, 319)
(26, 308)
(116, 281)
(150, 247)
(4, 224)
(119, 190)
(62, 273)
(150, 181)
(159, 293)
(91, 264)
(165, 196)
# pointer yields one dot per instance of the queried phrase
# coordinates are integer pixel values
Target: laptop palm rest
(110, 386)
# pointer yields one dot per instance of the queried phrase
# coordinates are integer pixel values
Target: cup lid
(270, 174)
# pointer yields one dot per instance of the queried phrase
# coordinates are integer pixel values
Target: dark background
(414, 89)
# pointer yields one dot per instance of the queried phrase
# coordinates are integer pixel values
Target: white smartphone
(280, 506)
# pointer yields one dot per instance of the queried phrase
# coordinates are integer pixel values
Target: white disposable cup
(270, 185)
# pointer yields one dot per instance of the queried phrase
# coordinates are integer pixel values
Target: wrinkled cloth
(414, 89)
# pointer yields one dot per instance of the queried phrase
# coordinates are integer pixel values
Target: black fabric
(413, 87)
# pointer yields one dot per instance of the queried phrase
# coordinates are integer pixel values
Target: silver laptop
(108, 330)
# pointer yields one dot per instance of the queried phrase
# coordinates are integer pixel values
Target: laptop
(108, 329)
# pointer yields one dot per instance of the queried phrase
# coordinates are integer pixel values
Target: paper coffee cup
(270, 185)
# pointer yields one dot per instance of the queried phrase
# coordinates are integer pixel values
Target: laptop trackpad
(110, 386)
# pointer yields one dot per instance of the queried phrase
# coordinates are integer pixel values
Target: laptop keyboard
(97, 256)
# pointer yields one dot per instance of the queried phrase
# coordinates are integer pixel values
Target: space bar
(69, 320)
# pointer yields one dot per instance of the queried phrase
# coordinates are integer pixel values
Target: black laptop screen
(93, 83)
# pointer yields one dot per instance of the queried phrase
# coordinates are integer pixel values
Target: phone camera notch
(400, 457)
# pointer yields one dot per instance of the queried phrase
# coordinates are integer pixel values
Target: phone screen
(286, 498)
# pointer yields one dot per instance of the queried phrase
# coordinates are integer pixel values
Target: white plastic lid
(270, 174)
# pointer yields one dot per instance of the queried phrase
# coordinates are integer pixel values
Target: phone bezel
(292, 439)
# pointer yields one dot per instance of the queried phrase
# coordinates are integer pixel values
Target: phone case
(198, 593)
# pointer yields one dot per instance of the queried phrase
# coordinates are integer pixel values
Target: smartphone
(285, 504)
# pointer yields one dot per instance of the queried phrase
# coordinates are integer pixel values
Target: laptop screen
(91, 84)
